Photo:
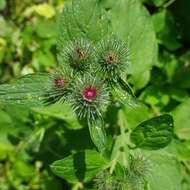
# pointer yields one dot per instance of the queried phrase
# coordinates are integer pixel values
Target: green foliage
(81, 166)
(141, 134)
(159, 178)
(153, 134)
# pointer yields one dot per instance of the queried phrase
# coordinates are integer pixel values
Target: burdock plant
(92, 75)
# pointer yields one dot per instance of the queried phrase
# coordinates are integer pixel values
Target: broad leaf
(153, 134)
(82, 18)
(133, 116)
(81, 166)
(181, 117)
(164, 171)
(28, 90)
(62, 112)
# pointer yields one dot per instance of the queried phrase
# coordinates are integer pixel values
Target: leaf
(180, 10)
(81, 166)
(164, 171)
(181, 79)
(46, 10)
(133, 116)
(82, 18)
(167, 33)
(2, 4)
(27, 90)
(6, 128)
(181, 117)
(46, 28)
(62, 112)
(98, 134)
(155, 96)
(153, 134)
(158, 3)
(123, 97)
(132, 23)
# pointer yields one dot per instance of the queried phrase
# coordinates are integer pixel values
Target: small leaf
(123, 96)
(98, 134)
(153, 134)
(81, 166)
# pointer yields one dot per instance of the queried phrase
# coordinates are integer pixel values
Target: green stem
(169, 3)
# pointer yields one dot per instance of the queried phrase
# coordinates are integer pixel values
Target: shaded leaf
(62, 112)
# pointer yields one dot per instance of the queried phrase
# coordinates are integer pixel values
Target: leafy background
(31, 139)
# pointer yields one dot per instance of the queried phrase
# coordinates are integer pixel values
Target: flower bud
(79, 55)
(113, 57)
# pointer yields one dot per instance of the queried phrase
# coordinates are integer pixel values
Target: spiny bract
(113, 57)
(79, 55)
(89, 97)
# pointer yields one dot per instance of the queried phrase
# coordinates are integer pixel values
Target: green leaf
(81, 166)
(123, 96)
(155, 96)
(82, 18)
(180, 10)
(132, 23)
(46, 10)
(181, 79)
(181, 117)
(167, 33)
(164, 171)
(98, 134)
(62, 112)
(157, 2)
(2, 4)
(133, 116)
(22, 170)
(46, 28)
(27, 90)
(6, 128)
(153, 134)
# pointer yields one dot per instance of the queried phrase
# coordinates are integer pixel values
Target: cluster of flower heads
(133, 178)
(87, 75)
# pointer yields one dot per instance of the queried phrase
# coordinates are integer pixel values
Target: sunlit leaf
(28, 90)
(82, 166)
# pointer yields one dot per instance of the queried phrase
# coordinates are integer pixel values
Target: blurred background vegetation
(30, 139)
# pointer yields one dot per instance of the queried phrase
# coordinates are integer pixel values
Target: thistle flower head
(89, 97)
(106, 181)
(59, 86)
(79, 55)
(139, 165)
(113, 58)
